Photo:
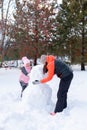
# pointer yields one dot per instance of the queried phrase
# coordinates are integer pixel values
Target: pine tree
(72, 24)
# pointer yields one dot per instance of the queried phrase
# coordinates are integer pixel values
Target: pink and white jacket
(25, 70)
(24, 74)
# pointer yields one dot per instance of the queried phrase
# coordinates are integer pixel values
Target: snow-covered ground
(32, 111)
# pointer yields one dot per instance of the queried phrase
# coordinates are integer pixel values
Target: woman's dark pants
(62, 93)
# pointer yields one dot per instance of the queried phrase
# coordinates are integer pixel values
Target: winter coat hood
(50, 58)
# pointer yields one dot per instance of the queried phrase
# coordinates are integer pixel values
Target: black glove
(36, 82)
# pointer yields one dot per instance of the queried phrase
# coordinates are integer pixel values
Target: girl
(24, 76)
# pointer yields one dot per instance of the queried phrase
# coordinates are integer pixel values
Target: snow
(32, 111)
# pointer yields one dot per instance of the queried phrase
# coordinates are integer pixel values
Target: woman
(54, 66)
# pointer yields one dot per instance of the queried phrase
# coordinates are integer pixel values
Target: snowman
(37, 96)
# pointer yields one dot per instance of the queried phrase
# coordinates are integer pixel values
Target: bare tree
(32, 29)
(4, 8)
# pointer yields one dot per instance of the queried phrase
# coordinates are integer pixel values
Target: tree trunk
(82, 52)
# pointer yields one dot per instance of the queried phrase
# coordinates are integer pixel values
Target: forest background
(35, 27)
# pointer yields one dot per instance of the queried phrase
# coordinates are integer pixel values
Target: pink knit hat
(25, 60)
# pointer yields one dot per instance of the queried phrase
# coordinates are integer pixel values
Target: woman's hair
(45, 70)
